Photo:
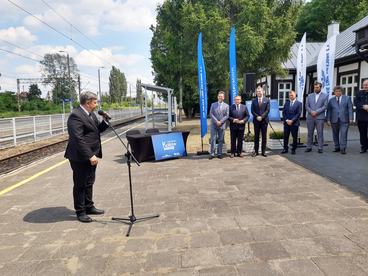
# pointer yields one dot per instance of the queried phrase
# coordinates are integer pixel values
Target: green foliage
(62, 73)
(117, 85)
(139, 92)
(265, 33)
(34, 92)
(8, 101)
(276, 135)
(249, 137)
(316, 15)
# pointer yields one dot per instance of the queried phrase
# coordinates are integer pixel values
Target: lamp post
(99, 86)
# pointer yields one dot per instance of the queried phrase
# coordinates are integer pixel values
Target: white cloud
(96, 58)
(131, 15)
(93, 16)
(28, 69)
(19, 35)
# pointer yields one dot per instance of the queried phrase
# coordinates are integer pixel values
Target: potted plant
(276, 140)
(248, 144)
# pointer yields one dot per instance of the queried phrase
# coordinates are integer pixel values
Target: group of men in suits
(238, 115)
(84, 145)
(336, 111)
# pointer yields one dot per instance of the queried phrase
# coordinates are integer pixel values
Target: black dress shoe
(264, 154)
(240, 155)
(284, 151)
(308, 150)
(254, 154)
(336, 150)
(94, 211)
(84, 218)
(343, 151)
(363, 151)
(211, 157)
(292, 151)
(320, 151)
(219, 156)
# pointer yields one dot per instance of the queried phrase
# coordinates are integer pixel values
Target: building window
(283, 92)
(350, 85)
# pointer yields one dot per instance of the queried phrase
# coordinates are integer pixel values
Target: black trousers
(363, 131)
(236, 137)
(84, 175)
(260, 128)
(294, 133)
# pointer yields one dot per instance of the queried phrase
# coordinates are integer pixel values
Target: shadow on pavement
(50, 215)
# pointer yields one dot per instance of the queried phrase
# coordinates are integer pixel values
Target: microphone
(104, 114)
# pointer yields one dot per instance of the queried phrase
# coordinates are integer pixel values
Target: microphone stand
(132, 219)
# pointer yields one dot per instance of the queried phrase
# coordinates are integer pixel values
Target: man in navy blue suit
(290, 115)
(260, 108)
(238, 116)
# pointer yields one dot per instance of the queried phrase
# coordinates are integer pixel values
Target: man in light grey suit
(339, 115)
(316, 106)
(219, 113)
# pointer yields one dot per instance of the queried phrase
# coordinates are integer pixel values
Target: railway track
(19, 160)
(11, 163)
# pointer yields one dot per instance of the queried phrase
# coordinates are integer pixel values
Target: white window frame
(285, 91)
(352, 86)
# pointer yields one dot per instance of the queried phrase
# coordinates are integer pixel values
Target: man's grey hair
(221, 92)
(87, 96)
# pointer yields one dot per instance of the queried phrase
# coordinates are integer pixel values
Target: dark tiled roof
(312, 50)
(344, 46)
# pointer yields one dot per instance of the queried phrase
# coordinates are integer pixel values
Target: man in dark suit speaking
(238, 116)
(84, 147)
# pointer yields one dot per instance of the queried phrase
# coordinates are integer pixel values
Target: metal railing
(22, 130)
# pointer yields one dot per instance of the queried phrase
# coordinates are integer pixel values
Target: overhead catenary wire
(20, 55)
(74, 27)
(20, 47)
(71, 24)
(59, 32)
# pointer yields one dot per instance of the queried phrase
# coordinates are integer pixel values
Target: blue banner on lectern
(274, 114)
(169, 145)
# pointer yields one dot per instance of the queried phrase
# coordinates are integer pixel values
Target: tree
(8, 101)
(316, 15)
(117, 85)
(265, 33)
(56, 71)
(34, 93)
(139, 94)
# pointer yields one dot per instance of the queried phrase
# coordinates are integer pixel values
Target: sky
(95, 33)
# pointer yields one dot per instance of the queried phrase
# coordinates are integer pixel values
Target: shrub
(277, 135)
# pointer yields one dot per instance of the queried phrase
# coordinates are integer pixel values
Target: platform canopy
(164, 90)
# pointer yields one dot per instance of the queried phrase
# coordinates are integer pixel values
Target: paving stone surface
(241, 216)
